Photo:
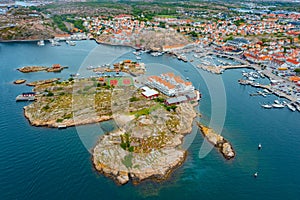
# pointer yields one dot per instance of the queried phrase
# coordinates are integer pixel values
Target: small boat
(255, 174)
(266, 91)
(90, 67)
(62, 126)
(71, 43)
(137, 53)
(276, 101)
(267, 106)
(259, 146)
(276, 105)
(138, 58)
(256, 84)
(298, 107)
(74, 75)
(187, 78)
(292, 108)
(41, 43)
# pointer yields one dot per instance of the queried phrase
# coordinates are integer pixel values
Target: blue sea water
(43, 163)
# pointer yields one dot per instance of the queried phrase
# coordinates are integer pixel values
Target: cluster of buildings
(121, 29)
(171, 85)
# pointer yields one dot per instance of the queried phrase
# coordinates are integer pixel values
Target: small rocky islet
(218, 141)
(54, 68)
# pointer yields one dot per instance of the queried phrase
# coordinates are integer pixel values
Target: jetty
(268, 87)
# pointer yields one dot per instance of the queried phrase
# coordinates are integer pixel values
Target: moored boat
(276, 105)
(292, 108)
(267, 106)
(41, 43)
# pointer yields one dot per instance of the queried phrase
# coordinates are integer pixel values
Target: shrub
(50, 94)
(59, 120)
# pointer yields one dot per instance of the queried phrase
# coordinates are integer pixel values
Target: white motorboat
(266, 106)
(292, 108)
(298, 107)
(278, 105)
(41, 43)
(276, 101)
(138, 58)
(71, 43)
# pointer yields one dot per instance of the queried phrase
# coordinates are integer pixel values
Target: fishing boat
(267, 106)
(292, 108)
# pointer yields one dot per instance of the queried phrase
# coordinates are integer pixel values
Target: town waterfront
(40, 163)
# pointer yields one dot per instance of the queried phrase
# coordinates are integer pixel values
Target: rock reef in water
(218, 141)
(54, 68)
(29, 69)
(19, 81)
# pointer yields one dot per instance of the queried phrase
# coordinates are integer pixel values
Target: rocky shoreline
(41, 82)
(218, 141)
(123, 175)
(66, 123)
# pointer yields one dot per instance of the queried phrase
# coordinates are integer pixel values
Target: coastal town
(153, 113)
(261, 39)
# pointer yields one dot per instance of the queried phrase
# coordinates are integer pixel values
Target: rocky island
(54, 68)
(218, 141)
(19, 81)
(147, 142)
(147, 146)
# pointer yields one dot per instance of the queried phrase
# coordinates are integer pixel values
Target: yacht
(292, 108)
(41, 43)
